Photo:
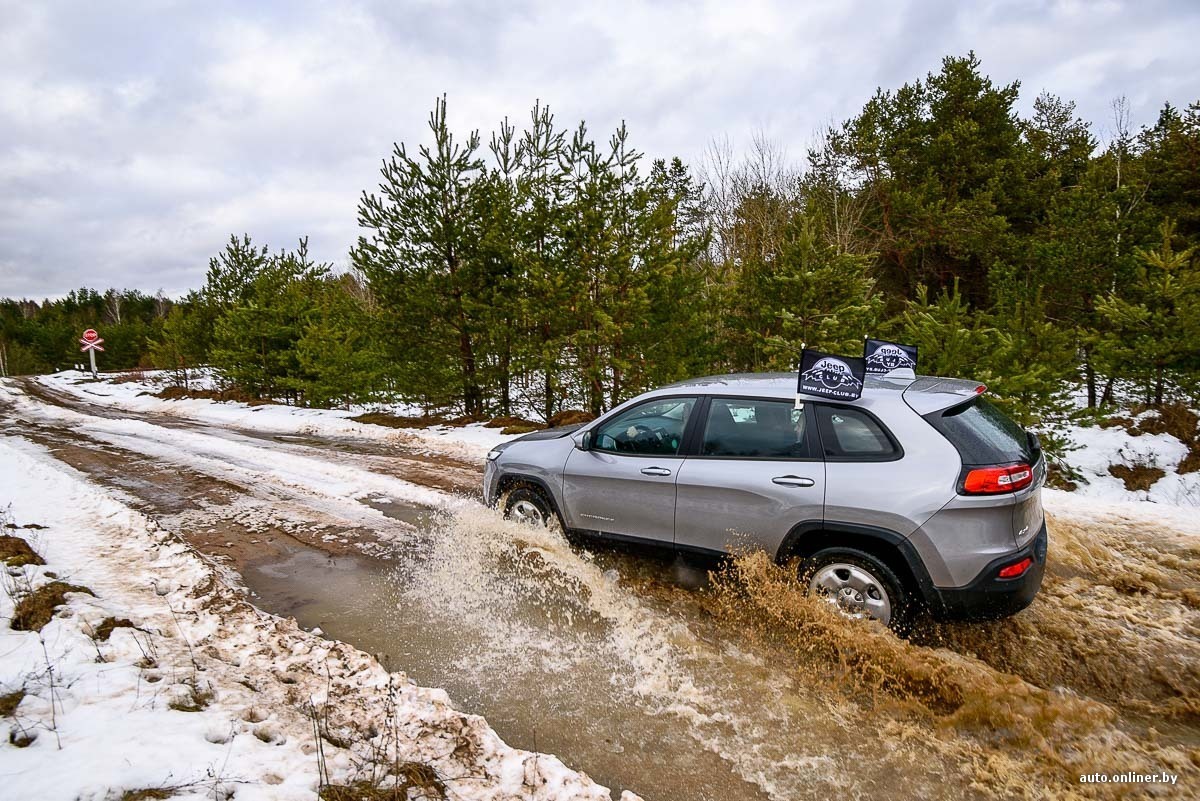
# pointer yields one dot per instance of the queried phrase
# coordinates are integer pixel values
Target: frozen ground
(469, 441)
(117, 714)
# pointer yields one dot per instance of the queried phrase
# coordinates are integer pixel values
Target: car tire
(528, 505)
(860, 585)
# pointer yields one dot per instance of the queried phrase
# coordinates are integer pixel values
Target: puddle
(573, 709)
(601, 656)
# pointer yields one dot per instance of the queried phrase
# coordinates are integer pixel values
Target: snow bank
(472, 441)
(109, 715)
(1173, 499)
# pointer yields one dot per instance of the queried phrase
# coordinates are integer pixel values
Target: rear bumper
(988, 597)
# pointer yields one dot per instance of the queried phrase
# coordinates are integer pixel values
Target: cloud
(134, 138)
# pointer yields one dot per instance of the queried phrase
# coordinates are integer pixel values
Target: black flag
(882, 356)
(837, 377)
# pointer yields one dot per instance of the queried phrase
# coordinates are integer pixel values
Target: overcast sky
(135, 137)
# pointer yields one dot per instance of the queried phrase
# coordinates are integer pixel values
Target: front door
(625, 483)
(757, 473)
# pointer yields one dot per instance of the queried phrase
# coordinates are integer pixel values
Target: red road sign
(90, 335)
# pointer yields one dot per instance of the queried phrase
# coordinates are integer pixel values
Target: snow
(1173, 500)
(101, 711)
(472, 441)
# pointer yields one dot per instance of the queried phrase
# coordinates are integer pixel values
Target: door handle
(655, 471)
(793, 481)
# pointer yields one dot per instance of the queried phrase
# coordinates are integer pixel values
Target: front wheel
(529, 506)
(859, 585)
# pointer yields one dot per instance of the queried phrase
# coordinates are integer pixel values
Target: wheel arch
(511, 481)
(892, 549)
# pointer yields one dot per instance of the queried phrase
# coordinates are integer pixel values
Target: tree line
(544, 269)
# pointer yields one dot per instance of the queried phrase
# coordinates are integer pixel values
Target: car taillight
(995, 480)
(1016, 569)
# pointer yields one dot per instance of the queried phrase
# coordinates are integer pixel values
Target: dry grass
(37, 608)
(1137, 477)
(16, 552)
(131, 376)
(1175, 419)
(147, 794)
(233, 395)
(399, 421)
(1191, 462)
(9, 703)
(411, 780)
(21, 738)
(570, 417)
(522, 428)
(195, 701)
(508, 421)
(106, 627)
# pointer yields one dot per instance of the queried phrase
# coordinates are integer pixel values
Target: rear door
(754, 472)
(625, 484)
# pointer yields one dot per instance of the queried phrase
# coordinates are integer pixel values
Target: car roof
(923, 393)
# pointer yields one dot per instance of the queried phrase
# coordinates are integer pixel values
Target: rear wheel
(859, 585)
(528, 505)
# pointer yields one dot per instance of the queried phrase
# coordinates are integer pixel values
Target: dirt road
(645, 671)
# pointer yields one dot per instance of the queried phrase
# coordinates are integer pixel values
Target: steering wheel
(640, 433)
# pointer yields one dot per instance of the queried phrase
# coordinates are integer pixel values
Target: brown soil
(36, 609)
(16, 552)
(1138, 476)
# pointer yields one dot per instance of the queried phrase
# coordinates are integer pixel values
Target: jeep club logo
(831, 373)
(883, 357)
(837, 377)
(889, 357)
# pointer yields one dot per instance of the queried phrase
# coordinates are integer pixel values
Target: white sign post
(91, 342)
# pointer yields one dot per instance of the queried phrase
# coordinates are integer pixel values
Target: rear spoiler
(931, 394)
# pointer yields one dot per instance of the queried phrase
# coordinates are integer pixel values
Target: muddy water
(537, 699)
(633, 667)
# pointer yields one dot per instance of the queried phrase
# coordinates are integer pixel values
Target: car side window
(653, 428)
(755, 429)
(851, 433)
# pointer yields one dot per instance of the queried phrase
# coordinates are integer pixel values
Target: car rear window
(982, 433)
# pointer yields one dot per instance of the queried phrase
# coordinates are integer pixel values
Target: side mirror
(584, 441)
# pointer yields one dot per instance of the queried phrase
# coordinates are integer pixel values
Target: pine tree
(1153, 325)
(818, 297)
(420, 259)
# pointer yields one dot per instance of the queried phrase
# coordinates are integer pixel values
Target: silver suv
(920, 494)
